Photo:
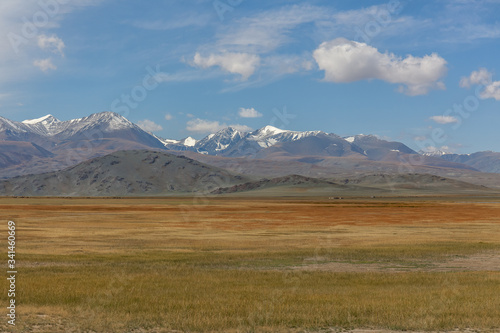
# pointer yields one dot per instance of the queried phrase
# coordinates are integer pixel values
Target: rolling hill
(125, 173)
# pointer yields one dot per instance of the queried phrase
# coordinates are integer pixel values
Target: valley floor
(205, 264)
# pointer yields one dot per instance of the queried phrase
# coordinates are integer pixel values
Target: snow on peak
(350, 139)
(189, 142)
(433, 153)
(271, 130)
(45, 119)
(114, 120)
(228, 130)
(353, 138)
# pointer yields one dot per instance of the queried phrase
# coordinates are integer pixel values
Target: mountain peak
(271, 130)
(113, 120)
(189, 141)
(107, 115)
(48, 119)
(433, 153)
(353, 138)
(229, 129)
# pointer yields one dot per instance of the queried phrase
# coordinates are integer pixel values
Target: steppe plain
(256, 264)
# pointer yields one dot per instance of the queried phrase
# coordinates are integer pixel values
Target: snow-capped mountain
(435, 153)
(181, 145)
(220, 142)
(48, 131)
(65, 143)
(46, 126)
(269, 136)
(105, 122)
(231, 142)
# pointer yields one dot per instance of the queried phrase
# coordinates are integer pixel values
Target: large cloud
(244, 64)
(348, 61)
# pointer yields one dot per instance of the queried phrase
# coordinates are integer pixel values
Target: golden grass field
(254, 265)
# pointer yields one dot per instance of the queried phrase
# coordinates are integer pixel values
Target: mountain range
(47, 144)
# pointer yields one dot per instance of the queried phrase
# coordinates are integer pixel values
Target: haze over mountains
(47, 144)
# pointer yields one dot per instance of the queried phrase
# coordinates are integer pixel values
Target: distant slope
(125, 173)
(321, 144)
(15, 153)
(413, 182)
(380, 150)
(367, 185)
(285, 181)
(486, 161)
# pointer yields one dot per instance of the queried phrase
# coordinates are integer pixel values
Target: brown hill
(125, 173)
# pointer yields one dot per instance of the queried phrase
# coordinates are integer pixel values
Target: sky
(426, 73)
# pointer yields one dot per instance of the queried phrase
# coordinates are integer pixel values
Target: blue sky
(422, 72)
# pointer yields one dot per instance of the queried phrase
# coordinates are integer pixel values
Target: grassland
(252, 265)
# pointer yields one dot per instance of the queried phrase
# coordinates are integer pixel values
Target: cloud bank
(348, 61)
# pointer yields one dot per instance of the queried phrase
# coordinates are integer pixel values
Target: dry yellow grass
(118, 265)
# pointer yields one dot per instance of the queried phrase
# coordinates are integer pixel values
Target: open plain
(213, 264)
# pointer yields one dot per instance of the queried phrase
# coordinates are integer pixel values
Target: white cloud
(249, 113)
(52, 43)
(483, 77)
(45, 64)
(244, 64)
(444, 119)
(18, 44)
(203, 126)
(175, 22)
(269, 30)
(492, 90)
(149, 125)
(168, 116)
(363, 15)
(186, 76)
(287, 64)
(249, 44)
(349, 61)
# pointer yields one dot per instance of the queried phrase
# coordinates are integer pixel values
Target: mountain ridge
(73, 141)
